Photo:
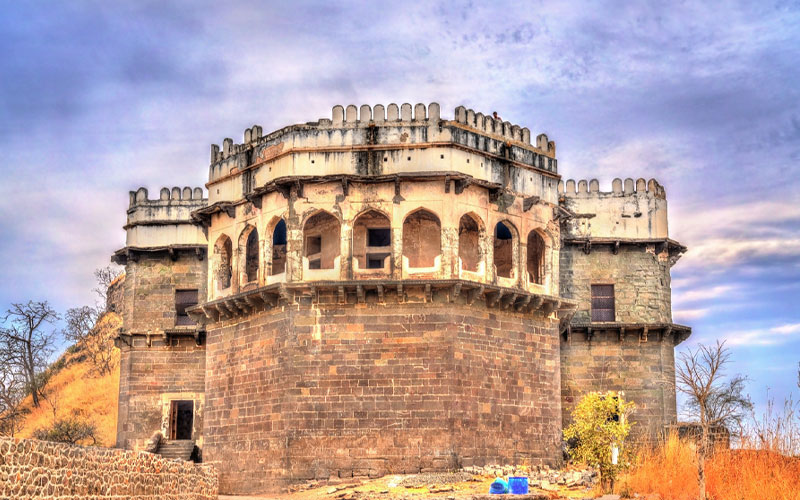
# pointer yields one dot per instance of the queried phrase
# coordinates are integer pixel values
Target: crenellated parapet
(380, 140)
(631, 210)
(494, 125)
(164, 223)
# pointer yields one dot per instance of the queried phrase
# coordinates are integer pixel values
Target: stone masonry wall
(154, 367)
(149, 378)
(149, 289)
(644, 370)
(340, 390)
(31, 469)
(640, 277)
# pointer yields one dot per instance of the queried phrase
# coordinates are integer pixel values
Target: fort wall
(631, 210)
(382, 142)
(161, 359)
(316, 388)
(639, 274)
(165, 221)
(640, 366)
(55, 471)
(396, 203)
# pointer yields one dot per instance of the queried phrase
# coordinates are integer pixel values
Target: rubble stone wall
(320, 390)
(43, 470)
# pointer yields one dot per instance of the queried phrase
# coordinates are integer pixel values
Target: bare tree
(712, 400)
(104, 276)
(12, 392)
(26, 342)
(85, 326)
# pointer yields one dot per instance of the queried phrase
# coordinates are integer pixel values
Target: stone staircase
(176, 449)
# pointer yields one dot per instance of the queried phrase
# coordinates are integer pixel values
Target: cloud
(685, 315)
(704, 294)
(775, 335)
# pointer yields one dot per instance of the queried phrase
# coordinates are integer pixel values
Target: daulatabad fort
(389, 291)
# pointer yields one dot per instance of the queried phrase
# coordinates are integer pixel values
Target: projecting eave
(675, 249)
(646, 332)
(382, 291)
(454, 180)
(123, 255)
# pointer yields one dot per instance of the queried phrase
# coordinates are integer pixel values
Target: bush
(72, 430)
(600, 424)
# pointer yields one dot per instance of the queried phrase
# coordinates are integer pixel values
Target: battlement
(384, 140)
(164, 223)
(584, 188)
(631, 210)
(187, 194)
(494, 125)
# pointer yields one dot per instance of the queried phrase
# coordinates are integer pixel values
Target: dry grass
(77, 389)
(669, 472)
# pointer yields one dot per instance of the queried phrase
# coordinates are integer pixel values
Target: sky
(99, 98)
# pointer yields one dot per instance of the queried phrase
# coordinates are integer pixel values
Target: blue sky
(98, 98)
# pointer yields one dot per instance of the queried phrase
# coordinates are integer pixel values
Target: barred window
(602, 302)
(183, 300)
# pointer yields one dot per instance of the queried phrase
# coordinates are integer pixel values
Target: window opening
(503, 250)
(535, 258)
(251, 256)
(603, 303)
(279, 248)
(184, 299)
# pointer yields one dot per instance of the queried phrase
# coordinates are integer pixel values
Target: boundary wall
(40, 469)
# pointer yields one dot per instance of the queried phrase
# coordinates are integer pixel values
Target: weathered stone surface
(41, 470)
(390, 291)
(319, 390)
(156, 367)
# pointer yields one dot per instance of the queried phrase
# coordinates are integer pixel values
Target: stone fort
(389, 291)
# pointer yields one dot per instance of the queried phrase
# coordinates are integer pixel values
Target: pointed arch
(372, 240)
(470, 234)
(277, 258)
(248, 255)
(223, 257)
(536, 248)
(422, 238)
(321, 241)
(505, 240)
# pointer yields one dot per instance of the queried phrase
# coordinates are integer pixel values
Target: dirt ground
(442, 486)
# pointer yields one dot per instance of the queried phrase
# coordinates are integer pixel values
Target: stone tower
(387, 291)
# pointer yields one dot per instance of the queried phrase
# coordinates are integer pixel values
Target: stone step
(176, 449)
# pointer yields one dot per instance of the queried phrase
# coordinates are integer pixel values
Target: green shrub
(599, 424)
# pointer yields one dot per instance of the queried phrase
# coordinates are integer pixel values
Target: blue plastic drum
(518, 485)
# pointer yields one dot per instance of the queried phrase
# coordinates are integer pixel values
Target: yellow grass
(75, 389)
(669, 472)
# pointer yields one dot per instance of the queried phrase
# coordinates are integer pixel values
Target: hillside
(75, 389)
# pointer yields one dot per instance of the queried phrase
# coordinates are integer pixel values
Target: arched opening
(504, 249)
(223, 252)
(422, 239)
(278, 249)
(372, 241)
(535, 260)
(248, 251)
(321, 240)
(469, 241)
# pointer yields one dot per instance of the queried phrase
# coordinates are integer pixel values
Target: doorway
(181, 419)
